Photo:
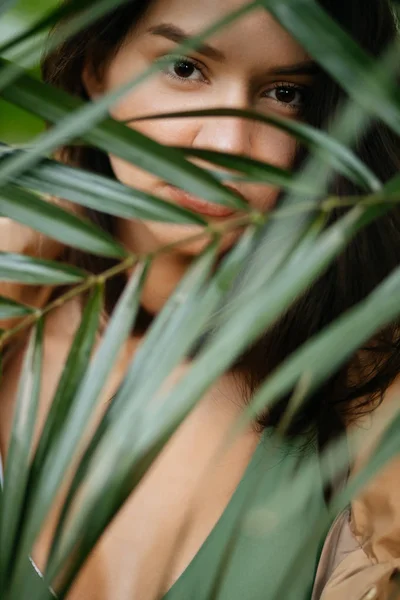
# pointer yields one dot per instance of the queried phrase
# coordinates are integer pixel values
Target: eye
(184, 69)
(291, 95)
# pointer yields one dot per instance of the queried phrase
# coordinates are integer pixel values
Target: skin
(156, 535)
(244, 79)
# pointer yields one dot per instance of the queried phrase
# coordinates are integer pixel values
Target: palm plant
(294, 236)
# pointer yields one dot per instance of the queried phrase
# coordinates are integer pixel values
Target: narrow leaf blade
(34, 271)
(17, 465)
(9, 309)
(27, 208)
(73, 373)
(67, 444)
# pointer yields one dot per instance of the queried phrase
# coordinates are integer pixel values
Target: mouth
(199, 205)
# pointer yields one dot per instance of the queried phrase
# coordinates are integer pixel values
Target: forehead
(255, 36)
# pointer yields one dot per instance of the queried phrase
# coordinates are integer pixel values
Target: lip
(198, 205)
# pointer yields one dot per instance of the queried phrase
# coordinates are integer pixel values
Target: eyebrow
(307, 67)
(176, 34)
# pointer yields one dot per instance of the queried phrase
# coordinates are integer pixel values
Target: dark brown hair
(365, 263)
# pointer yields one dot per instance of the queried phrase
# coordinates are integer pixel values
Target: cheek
(148, 100)
(275, 147)
(270, 146)
(171, 133)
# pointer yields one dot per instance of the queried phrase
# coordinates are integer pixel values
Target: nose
(231, 135)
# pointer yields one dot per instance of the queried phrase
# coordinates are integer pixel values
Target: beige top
(362, 551)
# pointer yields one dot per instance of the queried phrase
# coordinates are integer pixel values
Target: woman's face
(251, 64)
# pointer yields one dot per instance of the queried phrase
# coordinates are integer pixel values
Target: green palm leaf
(323, 355)
(101, 193)
(149, 157)
(328, 149)
(17, 465)
(126, 417)
(27, 208)
(223, 311)
(112, 137)
(66, 444)
(6, 5)
(255, 315)
(73, 373)
(91, 9)
(10, 309)
(35, 271)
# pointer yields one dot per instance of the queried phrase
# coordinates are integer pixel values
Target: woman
(251, 64)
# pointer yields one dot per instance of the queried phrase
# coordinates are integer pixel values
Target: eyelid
(174, 56)
(293, 84)
(303, 88)
(189, 59)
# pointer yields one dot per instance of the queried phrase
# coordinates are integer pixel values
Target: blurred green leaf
(181, 311)
(6, 5)
(323, 354)
(255, 315)
(16, 125)
(270, 267)
(102, 194)
(255, 171)
(112, 137)
(66, 445)
(323, 146)
(162, 349)
(17, 464)
(52, 104)
(30, 53)
(172, 318)
(72, 375)
(27, 208)
(35, 271)
(93, 8)
(10, 309)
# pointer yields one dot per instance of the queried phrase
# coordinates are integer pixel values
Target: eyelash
(301, 89)
(280, 85)
(184, 60)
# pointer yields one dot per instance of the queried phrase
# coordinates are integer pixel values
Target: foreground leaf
(7, 5)
(54, 105)
(93, 8)
(30, 54)
(253, 318)
(27, 208)
(17, 464)
(9, 309)
(325, 353)
(255, 171)
(102, 194)
(128, 417)
(68, 443)
(175, 317)
(72, 375)
(35, 271)
(327, 148)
